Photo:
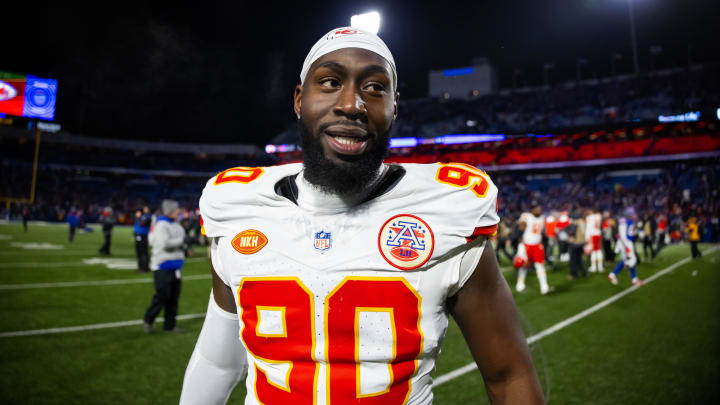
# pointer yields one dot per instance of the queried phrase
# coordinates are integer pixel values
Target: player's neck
(311, 198)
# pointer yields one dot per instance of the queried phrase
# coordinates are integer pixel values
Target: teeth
(345, 140)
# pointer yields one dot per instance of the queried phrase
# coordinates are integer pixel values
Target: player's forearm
(520, 387)
(218, 362)
(485, 312)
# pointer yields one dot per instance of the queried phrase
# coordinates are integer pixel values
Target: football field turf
(655, 344)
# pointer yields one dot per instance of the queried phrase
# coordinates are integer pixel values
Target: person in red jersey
(530, 251)
(593, 236)
(338, 274)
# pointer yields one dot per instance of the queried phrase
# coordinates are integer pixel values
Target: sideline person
(167, 240)
(141, 230)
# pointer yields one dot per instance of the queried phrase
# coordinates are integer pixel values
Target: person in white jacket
(166, 239)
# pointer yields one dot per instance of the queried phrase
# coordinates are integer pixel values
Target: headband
(347, 37)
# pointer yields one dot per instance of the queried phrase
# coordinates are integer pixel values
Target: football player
(531, 251)
(338, 274)
(593, 236)
(625, 245)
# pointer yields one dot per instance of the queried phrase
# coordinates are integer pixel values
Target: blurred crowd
(675, 191)
(576, 104)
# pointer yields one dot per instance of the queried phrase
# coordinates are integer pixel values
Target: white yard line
(52, 253)
(45, 264)
(89, 327)
(92, 283)
(79, 263)
(569, 321)
(130, 253)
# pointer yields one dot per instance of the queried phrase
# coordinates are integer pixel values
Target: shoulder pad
(228, 195)
(465, 194)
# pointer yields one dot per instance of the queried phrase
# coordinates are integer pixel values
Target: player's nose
(349, 103)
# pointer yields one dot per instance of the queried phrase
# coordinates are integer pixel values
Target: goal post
(33, 183)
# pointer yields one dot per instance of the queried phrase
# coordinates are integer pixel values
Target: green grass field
(658, 344)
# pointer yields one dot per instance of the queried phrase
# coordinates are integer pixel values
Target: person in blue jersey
(627, 232)
(72, 220)
(167, 241)
(140, 231)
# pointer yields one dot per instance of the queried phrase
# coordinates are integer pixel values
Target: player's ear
(297, 99)
(395, 105)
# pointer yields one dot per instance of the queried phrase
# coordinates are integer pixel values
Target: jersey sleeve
(216, 262)
(229, 198)
(236, 196)
(471, 215)
(486, 216)
(467, 264)
(486, 224)
(216, 208)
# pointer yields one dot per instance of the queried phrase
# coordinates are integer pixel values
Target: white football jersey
(533, 228)
(593, 225)
(345, 305)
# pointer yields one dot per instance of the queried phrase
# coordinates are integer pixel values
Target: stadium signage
(7, 91)
(687, 117)
(48, 127)
(27, 96)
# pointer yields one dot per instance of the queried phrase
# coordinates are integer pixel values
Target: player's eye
(374, 87)
(329, 83)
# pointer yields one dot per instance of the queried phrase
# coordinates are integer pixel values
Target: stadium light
(366, 21)
(633, 36)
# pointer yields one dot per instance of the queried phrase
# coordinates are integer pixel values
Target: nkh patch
(406, 241)
(323, 240)
(249, 241)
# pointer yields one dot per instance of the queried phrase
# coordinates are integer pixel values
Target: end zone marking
(569, 321)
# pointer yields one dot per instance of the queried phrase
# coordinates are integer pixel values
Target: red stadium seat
(686, 144)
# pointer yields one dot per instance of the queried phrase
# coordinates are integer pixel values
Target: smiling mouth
(347, 140)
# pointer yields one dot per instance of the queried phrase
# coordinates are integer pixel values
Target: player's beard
(348, 178)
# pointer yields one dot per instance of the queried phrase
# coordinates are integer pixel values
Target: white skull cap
(347, 37)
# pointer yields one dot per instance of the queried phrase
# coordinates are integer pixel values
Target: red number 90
(292, 344)
(462, 175)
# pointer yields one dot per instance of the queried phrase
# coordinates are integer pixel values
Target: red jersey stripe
(490, 230)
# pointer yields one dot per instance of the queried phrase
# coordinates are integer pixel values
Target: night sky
(224, 72)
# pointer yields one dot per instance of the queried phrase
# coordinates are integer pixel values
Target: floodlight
(367, 21)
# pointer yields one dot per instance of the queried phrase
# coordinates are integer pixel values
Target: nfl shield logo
(322, 240)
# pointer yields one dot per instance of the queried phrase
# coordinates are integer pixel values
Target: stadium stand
(596, 103)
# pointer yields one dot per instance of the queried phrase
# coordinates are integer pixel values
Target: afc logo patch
(406, 241)
(323, 240)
